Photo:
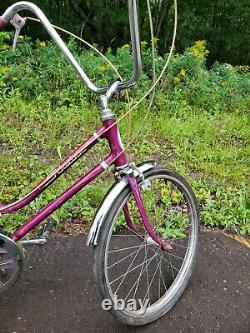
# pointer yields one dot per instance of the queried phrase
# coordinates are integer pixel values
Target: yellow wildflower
(155, 40)
(101, 69)
(20, 37)
(177, 80)
(243, 68)
(5, 70)
(183, 72)
(200, 44)
(42, 44)
(176, 197)
(165, 192)
(14, 78)
(4, 47)
(199, 49)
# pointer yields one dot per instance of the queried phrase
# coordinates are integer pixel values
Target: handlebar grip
(2, 23)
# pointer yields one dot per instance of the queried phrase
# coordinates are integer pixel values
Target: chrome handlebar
(135, 39)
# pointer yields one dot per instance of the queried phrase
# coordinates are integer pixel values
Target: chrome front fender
(108, 201)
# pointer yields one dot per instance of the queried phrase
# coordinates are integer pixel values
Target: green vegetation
(224, 24)
(199, 125)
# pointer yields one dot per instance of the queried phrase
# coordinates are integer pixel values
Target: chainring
(11, 262)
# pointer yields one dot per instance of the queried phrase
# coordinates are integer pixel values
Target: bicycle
(145, 232)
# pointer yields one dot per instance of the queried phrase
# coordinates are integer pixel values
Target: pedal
(44, 237)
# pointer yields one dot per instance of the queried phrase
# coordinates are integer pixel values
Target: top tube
(135, 39)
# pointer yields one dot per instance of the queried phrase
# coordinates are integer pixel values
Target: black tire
(170, 296)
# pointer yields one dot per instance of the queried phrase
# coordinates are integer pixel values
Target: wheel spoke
(171, 266)
(136, 284)
(166, 260)
(160, 276)
(152, 280)
(173, 255)
(7, 264)
(129, 271)
(124, 249)
(125, 235)
(124, 258)
(170, 240)
(124, 275)
(185, 247)
(137, 268)
(147, 274)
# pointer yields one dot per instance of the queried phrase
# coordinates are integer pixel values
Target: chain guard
(11, 262)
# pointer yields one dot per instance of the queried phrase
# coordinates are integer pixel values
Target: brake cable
(155, 80)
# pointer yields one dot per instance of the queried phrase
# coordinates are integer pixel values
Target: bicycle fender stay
(108, 201)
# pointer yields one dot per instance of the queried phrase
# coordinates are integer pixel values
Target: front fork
(143, 213)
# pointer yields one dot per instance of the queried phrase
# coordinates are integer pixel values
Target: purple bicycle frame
(117, 156)
(110, 132)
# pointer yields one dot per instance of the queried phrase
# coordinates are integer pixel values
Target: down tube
(53, 206)
(44, 184)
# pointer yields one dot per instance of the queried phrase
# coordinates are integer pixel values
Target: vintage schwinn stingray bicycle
(145, 232)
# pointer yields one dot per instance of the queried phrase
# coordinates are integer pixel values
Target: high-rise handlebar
(135, 40)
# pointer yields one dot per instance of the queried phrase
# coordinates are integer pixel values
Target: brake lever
(18, 23)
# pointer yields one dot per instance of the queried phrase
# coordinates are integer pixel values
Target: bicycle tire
(100, 252)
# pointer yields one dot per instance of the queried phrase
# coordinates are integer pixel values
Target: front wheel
(138, 280)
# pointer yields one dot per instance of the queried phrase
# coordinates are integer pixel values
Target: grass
(198, 126)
